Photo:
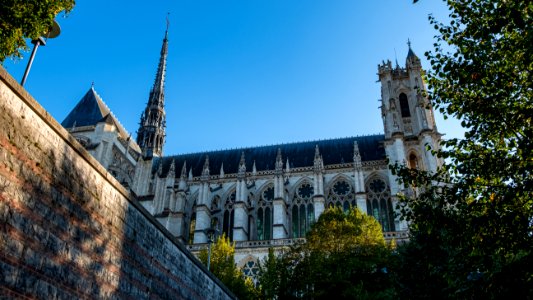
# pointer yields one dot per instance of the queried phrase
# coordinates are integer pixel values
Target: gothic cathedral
(269, 196)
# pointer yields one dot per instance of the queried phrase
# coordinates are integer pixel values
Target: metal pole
(37, 43)
(209, 254)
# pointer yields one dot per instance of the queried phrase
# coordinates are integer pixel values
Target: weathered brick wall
(68, 230)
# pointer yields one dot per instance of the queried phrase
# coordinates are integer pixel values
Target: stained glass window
(264, 214)
(303, 215)
(379, 204)
(227, 226)
(341, 194)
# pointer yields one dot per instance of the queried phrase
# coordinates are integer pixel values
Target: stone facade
(269, 196)
(70, 230)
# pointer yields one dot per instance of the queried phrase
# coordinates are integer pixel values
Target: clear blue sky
(239, 73)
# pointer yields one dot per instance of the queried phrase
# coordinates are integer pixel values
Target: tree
(472, 221)
(345, 256)
(21, 19)
(223, 267)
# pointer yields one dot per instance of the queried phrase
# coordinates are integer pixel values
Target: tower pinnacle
(151, 133)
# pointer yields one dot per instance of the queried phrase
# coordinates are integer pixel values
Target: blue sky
(239, 73)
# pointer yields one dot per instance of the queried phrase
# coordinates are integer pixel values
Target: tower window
(413, 161)
(404, 106)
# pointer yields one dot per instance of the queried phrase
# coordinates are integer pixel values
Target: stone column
(361, 202)
(203, 222)
(279, 224)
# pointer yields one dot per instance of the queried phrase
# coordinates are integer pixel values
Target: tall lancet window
(192, 227)
(229, 215)
(264, 214)
(404, 106)
(379, 204)
(341, 194)
(302, 211)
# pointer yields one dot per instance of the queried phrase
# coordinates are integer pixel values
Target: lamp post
(210, 232)
(53, 32)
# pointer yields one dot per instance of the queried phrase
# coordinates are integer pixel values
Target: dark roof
(333, 151)
(89, 111)
(92, 110)
(411, 53)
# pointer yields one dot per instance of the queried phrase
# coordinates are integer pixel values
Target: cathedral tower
(408, 120)
(151, 133)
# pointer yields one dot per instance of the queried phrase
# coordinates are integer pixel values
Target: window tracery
(379, 203)
(341, 194)
(229, 215)
(265, 214)
(251, 270)
(303, 213)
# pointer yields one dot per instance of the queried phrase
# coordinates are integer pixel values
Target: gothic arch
(228, 213)
(292, 190)
(231, 189)
(301, 209)
(379, 202)
(341, 192)
(414, 160)
(264, 213)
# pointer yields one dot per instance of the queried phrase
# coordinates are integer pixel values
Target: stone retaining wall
(69, 230)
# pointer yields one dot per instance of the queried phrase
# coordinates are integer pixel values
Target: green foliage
(21, 19)
(473, 232)
(224, 268)
(345, 257)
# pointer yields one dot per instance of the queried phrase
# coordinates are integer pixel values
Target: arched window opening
(341, 194)
(413, 161)
(264, 214)
(303, 215)
(227, 226)
(192, 226)
(379, 203)
(404, 106)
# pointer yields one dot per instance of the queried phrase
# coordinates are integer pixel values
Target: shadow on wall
(68, 229)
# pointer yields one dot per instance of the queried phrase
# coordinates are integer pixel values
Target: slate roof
(333, 151)
(90, 111)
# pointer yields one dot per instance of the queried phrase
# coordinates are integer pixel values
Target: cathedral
(268, 196)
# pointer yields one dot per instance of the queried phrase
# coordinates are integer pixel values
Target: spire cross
(409, 43)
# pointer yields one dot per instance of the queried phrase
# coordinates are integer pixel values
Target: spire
(221, 171)
(205, 171)
(183, 184)
(172, 170)
(357, 156)
(254, 169)
(318, 164)
(279, 163)
(151, 133)
(411, 56)
(184, 170)
(242, 166)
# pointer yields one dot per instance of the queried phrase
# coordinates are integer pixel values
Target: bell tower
(151, 133)
(408, 120)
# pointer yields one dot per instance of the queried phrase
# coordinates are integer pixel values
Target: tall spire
(151, 133)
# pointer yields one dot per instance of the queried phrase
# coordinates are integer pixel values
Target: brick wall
(69, 230)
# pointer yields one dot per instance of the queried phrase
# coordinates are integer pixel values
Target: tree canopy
(223, 267)
(345, 257)
(21, 19)
(472, 222)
